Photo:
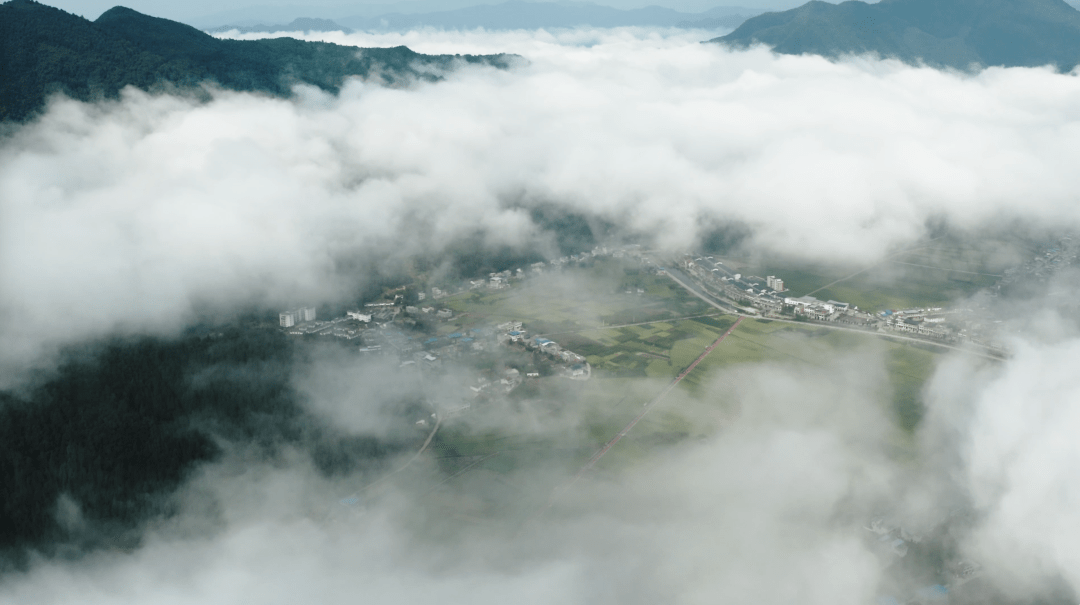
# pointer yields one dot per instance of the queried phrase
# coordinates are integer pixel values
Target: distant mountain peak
(962, 34)
(44, 50)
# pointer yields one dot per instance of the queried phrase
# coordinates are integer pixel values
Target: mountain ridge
(44, 50)
(960, 34)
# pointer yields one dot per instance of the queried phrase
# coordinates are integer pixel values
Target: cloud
(139, 216)
(136, 215)
(1013, 429)
(708, 521)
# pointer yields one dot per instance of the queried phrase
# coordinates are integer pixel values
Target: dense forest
(119, 426)
(45, 50)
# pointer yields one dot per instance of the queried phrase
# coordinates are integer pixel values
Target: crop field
(608, 293)
(934, 274)
(631, 364)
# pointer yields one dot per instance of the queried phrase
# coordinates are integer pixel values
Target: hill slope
(45, 50)
(942, 33)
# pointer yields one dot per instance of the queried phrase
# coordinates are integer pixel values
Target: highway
(705, 297)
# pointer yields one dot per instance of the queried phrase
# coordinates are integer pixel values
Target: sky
(143, 215)
(209, 12)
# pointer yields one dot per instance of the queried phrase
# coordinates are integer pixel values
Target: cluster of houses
(924, 322)
(1045, 266)
(572, 365)
(891, 542)
(760, 292)
(484, 386)
(764, 295)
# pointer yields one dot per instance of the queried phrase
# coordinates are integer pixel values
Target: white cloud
(1020, 459)
(125, 216)
(130, 216)
(718, 520)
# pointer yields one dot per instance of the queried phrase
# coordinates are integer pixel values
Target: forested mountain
(943, 33)
(120, 425)
(45, 50)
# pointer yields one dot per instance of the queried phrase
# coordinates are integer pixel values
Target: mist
(148, 215)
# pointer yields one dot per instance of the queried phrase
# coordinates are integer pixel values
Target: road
(878, 264)
(626, 429)
(648, 406)
(423, 448)
(639, 323)
(705, 297)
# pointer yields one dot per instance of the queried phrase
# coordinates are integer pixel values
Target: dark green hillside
(45, 50)
(120, 426)
(942, 33)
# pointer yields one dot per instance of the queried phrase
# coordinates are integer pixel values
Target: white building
(364, 317)
(287, 319)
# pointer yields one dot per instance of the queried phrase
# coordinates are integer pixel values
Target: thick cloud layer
(131, 215)
(137, 216)
(710, 522)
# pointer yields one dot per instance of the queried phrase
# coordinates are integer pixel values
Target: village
(418, 336)
(767, 297)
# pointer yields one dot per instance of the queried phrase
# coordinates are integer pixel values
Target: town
(767, 297)
(417, 326)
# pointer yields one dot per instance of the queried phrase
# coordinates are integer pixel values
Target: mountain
(727, 21)
(300, 24)
(962, 34)
(45, 50)
(466, 15)
(536, 15)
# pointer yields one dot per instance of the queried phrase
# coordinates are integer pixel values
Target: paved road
(648, 406)
(967, 350)
(640, 323)
(878, 264)
(423, 448)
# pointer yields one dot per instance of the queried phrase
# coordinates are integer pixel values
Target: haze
(158, 216)
(206, 12)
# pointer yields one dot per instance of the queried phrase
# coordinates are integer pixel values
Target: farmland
(587, 311)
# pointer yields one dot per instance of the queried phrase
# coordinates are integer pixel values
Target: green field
(934, 274)
(577, 299)
(625, 379)
(570, 420)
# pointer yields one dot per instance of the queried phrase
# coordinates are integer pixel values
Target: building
(358, 316)
(288, 319)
